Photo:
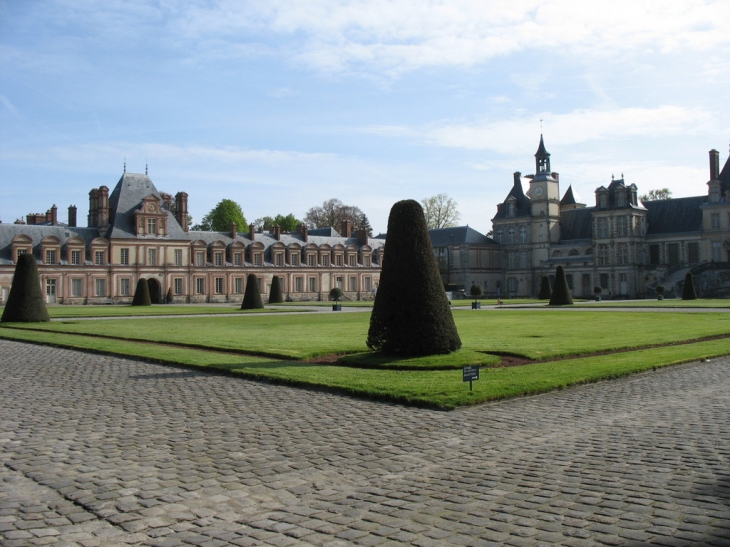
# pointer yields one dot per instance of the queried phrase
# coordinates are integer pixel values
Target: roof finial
(611, 177)
(541, 127)
(622, 175)
(145, 168)
(125, 165)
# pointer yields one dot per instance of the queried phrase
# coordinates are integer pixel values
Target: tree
(288, 223)
(656, 195)
(219, 218)
(411, 314)
(440, 211)
(688, 291)
(252, 296)
(142, 294)
(333, 213)
(275, 294)
(25, 303)
(336, 293)
(561, 292)
(545, 290)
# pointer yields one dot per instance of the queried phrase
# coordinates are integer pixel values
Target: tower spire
(542, 158)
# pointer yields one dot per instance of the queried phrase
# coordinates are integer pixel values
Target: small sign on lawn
(471, 373)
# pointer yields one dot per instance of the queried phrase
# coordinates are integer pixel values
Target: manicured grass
(129, 311)
(544, 334)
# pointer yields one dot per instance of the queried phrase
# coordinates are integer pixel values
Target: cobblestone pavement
(105, 451)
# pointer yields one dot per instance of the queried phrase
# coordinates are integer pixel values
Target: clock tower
(545, 200)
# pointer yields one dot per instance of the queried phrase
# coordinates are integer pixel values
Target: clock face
(538, 191)
(150, 207)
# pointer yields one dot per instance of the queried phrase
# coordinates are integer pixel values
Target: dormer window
(151, 226)
(511, 209)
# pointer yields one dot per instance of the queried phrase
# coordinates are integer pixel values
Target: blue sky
(283, 104)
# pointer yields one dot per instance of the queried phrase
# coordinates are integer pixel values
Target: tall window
(715, 220)
(77, 286)
(604, 281)
(238, 285)
(351, 260)
(622, 254)
(523, 234)
(50, 256)
(200, 258)
(511, 209)
(673, 253)
(511, 260)
(177, 285)
(124, 287)
(178, 257)
(654, 257)
(152, 257)
(298, 284)
(511, 234)
(693, 253)
(312, 284)
(338, 260)
(75, 258)
(152, 226)
(200, 285)
(622, 226)
(523, 260)
(237, 259)
(500, 235)
(353, 284)
(99, 258)
(602, 255)
(124, 256)
(366, 261)
(218, 285)
(716, 251)
(311, 260)
(368, 282)
(100, 287)
(279, 259)
(602, 227)
(258, 259)
(295, 259)
(325, 260)
(218, 258)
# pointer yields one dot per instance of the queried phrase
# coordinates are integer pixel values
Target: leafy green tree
(275, 293)
(441, 211)
(545, 289)
(219, 218)
(656, 195)
(411, 314)
(25, 303)
(688, 291)
(142, 294)
(561, 292)
(336, 293)
(476, 291)
(252, 296)
(288, 223)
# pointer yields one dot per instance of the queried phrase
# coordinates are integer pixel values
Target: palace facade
(136, 232)
(620, 244)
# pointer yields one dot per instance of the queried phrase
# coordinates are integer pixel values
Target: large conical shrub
(411, 314)
(142, 294)
(275, 294)
(25, 302)
(252, 296)
(688, 291)
(561, 292)
(545, 291)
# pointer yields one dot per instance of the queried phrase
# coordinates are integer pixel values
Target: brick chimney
(181, 210)
(347, 228)
(277, 232)
(304, 232)
(72, 216)
(52, 215)
(103, 210)
(714, 164)
(93, 207)
(234, 230)
(362, 236)
(251, 232)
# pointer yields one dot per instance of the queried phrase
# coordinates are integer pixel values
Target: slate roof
(724, 178)
(126, 198)
(37, 233)
(576, 224)
(569, 198)
(523, 206)
(457, 236)
(672, 216)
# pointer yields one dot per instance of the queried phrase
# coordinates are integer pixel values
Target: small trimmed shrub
(561, 293)
(252, 296)
(688, 291)
(275, 294)
(142, 294)
(25, 302)
(336, 293)
(660, 290)
(476, 291)
(411, 314)
(597, 290)
(545, 290)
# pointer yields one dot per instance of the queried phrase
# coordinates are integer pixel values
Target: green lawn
(263, 346)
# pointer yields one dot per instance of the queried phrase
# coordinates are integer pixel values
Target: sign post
(471, 373)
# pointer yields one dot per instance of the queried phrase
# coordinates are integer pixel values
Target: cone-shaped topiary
(688, 291)
(561, 293)
(275, 294)
(252, 296)
(545, 291)
(411, 314)
(25, 303)
(142, 294)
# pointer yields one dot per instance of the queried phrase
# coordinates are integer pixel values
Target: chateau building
(136, 232)
(620, 244)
